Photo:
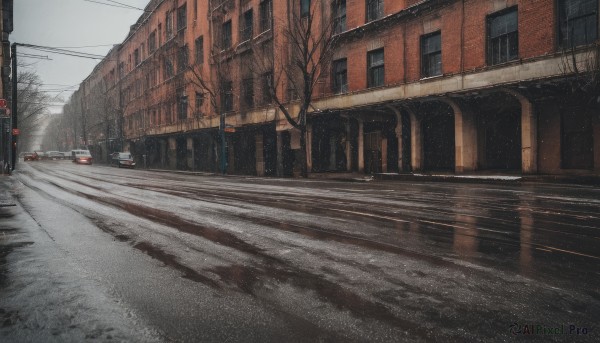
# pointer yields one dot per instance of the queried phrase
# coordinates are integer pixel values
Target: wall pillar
(398, 131)
(260, 154)
(309, 147)
(348, 147)
(361, 146)
(279, 154)
(172, 152)
(190, 153)
(529, 146)
(465, 138)
(384, 153)
(230, 169)
(416, 142)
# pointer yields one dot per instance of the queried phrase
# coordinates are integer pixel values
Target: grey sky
(70, 23)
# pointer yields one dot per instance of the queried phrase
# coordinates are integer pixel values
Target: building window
(340, 76)
(304, 8)
(248, 92)
(266, 84)
(182, 106)
(182, 17)
(503, 37)
(431, 54)
(168, 68)
(169, 25)
(152, 42)
(339, 16)
(136, 57)
(199, 102)
(246, 27)
(159, 34)
(226, 35)
(227, 96)
(182, 59)
(200, 49)
(578, 22)
(266, 15)
(374, 10)
(375, 68)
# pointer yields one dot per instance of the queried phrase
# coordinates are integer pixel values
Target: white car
(81, 156)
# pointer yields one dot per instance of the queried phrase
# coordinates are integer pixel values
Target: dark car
(30, 156)
(122, 160)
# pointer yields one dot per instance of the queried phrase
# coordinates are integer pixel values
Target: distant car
(81, 156)
(30, 156)
(41, 155)
(54, 155)
(122, 160)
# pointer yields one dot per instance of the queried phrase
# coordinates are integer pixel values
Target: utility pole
(13, 52)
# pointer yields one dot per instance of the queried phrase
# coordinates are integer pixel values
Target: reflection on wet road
(311, 260)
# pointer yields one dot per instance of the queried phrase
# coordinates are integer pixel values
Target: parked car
(30, 156)
(40, 154)
(53, 155)
(122, 160)
(81, 156)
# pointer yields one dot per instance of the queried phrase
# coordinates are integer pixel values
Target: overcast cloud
(70, 23)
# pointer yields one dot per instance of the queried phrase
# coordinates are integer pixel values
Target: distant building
(427, 86)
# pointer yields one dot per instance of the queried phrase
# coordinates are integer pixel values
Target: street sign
(3, 103)
(4, 113)
(16, 132)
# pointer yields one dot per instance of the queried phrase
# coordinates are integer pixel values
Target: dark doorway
(244, 152)
(577, 140)
(270, 150)
(181, 153)
(438, 136)
(500, 132)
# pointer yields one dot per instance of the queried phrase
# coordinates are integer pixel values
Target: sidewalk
(6, 198)
(584, 179)
(483, 177)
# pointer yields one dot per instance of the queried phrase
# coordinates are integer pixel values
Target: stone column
(190, 153)
(529, 146)
(279, 154)
(398, 132)
(384, 152)
(348, 146)
(260, 154)
(308, 147)
(416, 142)
(172, 152)
(361, 146)
(230, 154)
(465, 138)
(528, 137)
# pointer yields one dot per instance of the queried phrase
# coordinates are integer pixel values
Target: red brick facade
(150, 98)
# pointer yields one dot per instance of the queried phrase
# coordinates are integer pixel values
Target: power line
(120, 5)
(61, 51)
(83, 46)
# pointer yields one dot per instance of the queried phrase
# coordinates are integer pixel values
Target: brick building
(436, 85)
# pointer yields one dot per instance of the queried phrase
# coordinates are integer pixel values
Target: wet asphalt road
(99, 253)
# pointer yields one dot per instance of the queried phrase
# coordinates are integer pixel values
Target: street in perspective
(299, 171)
(135, 255)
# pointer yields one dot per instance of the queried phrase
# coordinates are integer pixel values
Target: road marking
(371, 215)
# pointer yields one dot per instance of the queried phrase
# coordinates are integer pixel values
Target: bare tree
(214, 80)
(32, 105)
(307, 44)
(581, 68)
